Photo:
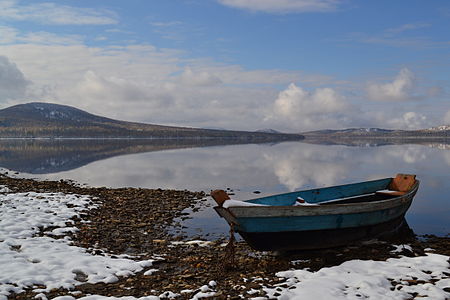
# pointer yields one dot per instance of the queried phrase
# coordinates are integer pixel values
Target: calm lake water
(267, 168)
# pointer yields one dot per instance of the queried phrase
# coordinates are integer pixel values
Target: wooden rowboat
(320, 218)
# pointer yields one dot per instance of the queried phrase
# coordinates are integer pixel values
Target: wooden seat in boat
(390, 193)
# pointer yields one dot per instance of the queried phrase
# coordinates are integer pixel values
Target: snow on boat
(320, 218)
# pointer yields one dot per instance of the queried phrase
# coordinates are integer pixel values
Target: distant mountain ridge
(350, 131)
(47, 120)
(377, 136)
(268, 130)
(443, 130)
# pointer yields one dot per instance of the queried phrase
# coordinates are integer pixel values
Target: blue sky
(291, 65)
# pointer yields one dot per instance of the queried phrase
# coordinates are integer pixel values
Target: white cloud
(295, 100)
(144, 84)
(408, 120)
(393, 40)
(398, 90)
(311, 110)
(12, 82)
(435, 91)
(413, 119)
(176, 30)
(10, 35)
(57, 14)
(202, 78)
(407, 27)
(401, 36)
(108, 90)
(166, 24)
(236, 75)
(50, 38)
(447, 118)
(284, 6)
(7, 35)
(394, 117)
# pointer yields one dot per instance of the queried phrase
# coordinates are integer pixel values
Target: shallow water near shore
(242, 169)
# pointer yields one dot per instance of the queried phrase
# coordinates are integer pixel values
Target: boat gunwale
(319, 189)
(315, 210)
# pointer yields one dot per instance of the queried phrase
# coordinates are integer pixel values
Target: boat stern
(220, 196)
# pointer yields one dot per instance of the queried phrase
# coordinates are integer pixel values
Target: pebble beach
(61, 240)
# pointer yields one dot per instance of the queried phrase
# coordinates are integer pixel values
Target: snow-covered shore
(397, 278)
(31, 260)
(37, 254)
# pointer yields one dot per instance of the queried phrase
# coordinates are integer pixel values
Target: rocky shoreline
(134, 221)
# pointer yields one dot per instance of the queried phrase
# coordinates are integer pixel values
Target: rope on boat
(228, 261)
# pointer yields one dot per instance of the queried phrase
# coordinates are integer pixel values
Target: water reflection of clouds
(281, 168)
(292, 165)
(308, 166)
(407, 153)
(199, 168)
(413, 155)
(446, 157)
(271, 167)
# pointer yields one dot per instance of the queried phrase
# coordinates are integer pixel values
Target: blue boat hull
(319, 239)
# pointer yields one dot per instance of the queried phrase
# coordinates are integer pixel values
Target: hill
(46, 120)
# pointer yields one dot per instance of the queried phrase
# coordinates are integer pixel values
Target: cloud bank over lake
(231, 64)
